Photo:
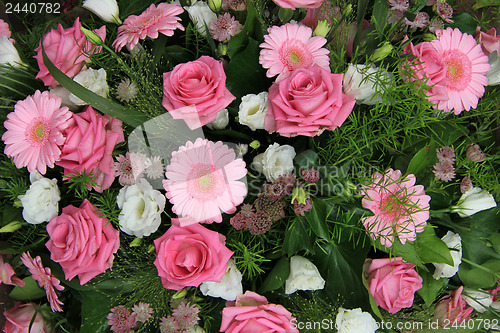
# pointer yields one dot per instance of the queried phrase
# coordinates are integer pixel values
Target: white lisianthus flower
(253, 110)
(493, 74)
(359, 83)
(228, 288)
(41, 200)
(473, 201)
(141, 207)
(107, 10)
(8, 53)
(275, 161)
(201, 15)
(479, 300)
(454, 242)
(94, 80)
(303, 276)
(355, 321)
(220, 121)
(64, 94)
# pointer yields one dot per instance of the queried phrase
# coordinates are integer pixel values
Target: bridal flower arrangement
(250, 166)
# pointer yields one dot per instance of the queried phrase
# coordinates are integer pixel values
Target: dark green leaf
(277, 277)
(431, 249)
(430, 287)
(297, 238)
(30, 291)
(306, 159)
(485, 275)
(127, 115)
(96, 306)
(317, 219)
(10, 214)
(250, 29)
(285, 14)
(380, 10)
(485, 3)
(465, 22)
(423, 159)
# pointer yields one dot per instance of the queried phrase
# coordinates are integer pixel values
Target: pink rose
(190, 255)
(89, 145)
(307, 102)
(252, 313)
(292, 4)
(196, 91)
(64, 49)
(452, 309)
(18, 319)
(393, 283)
(489, 40)
(82, 242)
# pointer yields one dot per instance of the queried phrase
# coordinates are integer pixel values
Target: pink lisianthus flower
(89, 147)
(155, 20)
(307, 102)
(19, 319)
(400, 207)
(7, 274)
(35, 131)
(392, 282)
(291, 47)
(252, 313)
(5, 30)
(82, 242)
(68, 49)
(489, 40)
(196, 91)
(203, 180)
(452, 309)
(45, 279)
(190, 255)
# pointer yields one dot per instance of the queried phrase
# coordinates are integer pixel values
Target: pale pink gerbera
(292, 46)
(466, 66)
(154, 20)
(34, 131)
(224, 27)
(400, 207)
(44, 278)
(203, 180)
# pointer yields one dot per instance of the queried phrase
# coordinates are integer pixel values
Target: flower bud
(473, 201)
(299, 195)
(255, 144)
(92, 36)
(107, 10)
(322, 29)
(215, 5)
(304, 275)
(382, 52)
(474, 153)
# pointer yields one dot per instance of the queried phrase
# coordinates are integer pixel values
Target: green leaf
(495, 241)
(485, 3)
(431, 249)
(379, 17)
(306, 159)
(250, 29)
(465, 22)
(11, 214)
(341, 265)
(285, 14)
(407, 251)
(423, 159)
(317, 219)
(127, 115)
(277, 277)
(298, 238)
(485, 275)
(30, 291)
(244, 73)
(373, 304)
(431, 287)
(11, 227)
(96, 306)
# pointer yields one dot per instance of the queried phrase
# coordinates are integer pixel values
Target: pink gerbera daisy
(466, 66)
(45, 279)
(162, 19)
(224, 27)
(400, 207)
(292, 46)
(34, 131)
(203, 180)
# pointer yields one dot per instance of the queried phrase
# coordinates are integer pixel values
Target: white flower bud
(41, 200)
(228, 288)
(360, 83)
(454, 242)
(221, 121)
(107, 10)
(8, 53)
(275, 161)
(303, 276)
(355, 321)
(473, 201)
(201, 15)
(477, 299)
(253, 110)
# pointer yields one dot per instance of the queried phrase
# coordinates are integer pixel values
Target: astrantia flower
(142, 312)
(169, 325)
(186, 315)
(444, 10)
(445, 154)
(401, 5)
(224, 27)
(126, 91)
(44, 278)
(129, 168)
(259, 223)
(154, 167)
(400, 207)
(420, 21)
(154, 20)
(436, 24)
(203, 181)
(120, 319)
(444, 171)
(465, 65)
(35, 131)
(292, 46)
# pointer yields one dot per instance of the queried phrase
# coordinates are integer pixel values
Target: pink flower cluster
(444, 170)
(68, 49)
(183, 319)
(251, 312)
(452, 309)
(453, 66)
(122, 321)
